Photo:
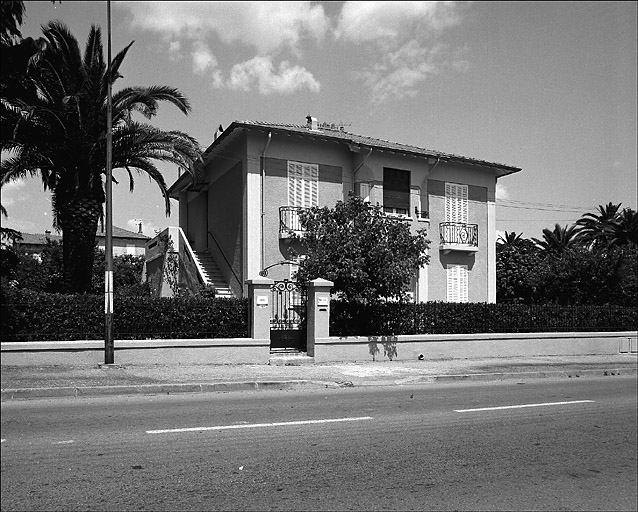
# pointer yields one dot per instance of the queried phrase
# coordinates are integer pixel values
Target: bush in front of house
(395, 318)
(34, 316)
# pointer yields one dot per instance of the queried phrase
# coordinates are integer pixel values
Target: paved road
(465, 446)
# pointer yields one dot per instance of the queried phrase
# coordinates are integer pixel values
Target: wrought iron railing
(289, 221)
(458, 233)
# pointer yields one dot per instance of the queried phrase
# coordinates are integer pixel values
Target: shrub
(33, 316)
(354, 318)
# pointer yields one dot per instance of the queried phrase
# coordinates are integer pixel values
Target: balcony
(456, 236)
(289, 222)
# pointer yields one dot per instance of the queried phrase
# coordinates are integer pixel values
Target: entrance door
(288, 316)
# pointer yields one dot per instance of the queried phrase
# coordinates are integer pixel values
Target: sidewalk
(99, 380)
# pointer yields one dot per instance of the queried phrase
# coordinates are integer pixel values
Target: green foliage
(516, 260)
(368, 255)
(43, 272)
(393, 319)
(34, 316)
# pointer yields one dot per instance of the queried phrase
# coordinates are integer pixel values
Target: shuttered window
(457, 283)
(303, 184)
(396, 190)
(456, 203)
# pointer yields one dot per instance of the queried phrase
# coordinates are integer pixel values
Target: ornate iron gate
(288, 316)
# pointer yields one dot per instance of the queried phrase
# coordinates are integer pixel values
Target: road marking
(258, 425)
(63, 442)
(524, 405)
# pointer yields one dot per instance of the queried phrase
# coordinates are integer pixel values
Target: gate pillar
(318, 312)
(259, 295)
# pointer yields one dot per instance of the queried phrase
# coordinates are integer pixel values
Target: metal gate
(288, 316)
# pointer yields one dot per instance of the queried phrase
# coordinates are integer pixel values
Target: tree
(368, 255)
(579, 276)
(557, 241)
(516, 260)
(596, 229)
(61, 136)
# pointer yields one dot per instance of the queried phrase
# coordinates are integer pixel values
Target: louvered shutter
(457, 283)
(456, 203)
(303, 184)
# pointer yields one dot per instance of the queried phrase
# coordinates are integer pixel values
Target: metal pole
(109, 348)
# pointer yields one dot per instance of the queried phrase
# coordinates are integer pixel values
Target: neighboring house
(124, 242)
(235, 220)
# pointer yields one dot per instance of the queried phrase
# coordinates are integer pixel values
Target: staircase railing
(191, 258)
(221, 251)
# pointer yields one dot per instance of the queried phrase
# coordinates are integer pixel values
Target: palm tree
(558, 240)
(596, 230)
(62, 138)
(626, 228)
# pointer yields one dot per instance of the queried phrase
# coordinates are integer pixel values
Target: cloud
(148, 228)
(501, 192)
(386, 22)
(11, 192)
(403, 38)
(401, 73)
(264, 26)
(267, 28)
(260, 71)
(203, 58)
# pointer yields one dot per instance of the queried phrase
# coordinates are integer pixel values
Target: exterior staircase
(212, 274)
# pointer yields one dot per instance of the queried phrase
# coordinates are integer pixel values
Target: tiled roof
(336, 134)
(41, 239)
(341, 135)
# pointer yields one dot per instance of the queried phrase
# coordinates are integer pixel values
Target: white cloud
(203, 58)
(11, 193)
(268, 28)
(385, 22)
(403, 39)
(265, 26)
(401, 73)
(501, 192)
(260, 71)
(148, 228)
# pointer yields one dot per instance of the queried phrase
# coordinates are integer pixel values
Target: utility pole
(109, 348)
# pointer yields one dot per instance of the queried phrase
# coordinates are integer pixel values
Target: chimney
(139, 229)
(311, 122)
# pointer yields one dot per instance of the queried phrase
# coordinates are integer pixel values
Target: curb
(537, 375)
(153, 389)
(227, 387)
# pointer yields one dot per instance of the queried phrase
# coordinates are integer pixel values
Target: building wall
(481, 190)
(335, 163)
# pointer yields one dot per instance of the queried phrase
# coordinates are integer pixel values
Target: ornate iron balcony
(456, 236)
(289, 222)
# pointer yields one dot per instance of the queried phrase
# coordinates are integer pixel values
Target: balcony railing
(456, 236)
(289, 221)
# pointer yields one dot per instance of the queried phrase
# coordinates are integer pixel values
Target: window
(457, 283)
(396, 191)
(456, 203)
(364, 191)
(303, 184)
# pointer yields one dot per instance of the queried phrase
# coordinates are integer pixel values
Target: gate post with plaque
(259, 295)
(318, 312)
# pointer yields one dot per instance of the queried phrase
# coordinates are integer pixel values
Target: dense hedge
(33, 316)
(350, 319)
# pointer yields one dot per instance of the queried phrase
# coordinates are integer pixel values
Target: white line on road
(258, 425)
(522, 406)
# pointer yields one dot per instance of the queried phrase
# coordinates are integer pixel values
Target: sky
(549, 87)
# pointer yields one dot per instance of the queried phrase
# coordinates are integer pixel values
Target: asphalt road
(543, 445)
